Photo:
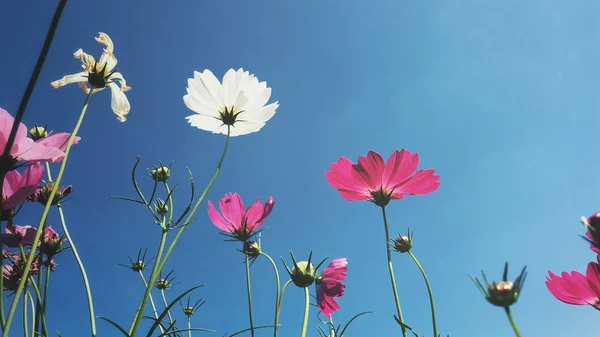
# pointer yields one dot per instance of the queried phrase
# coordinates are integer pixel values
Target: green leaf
(353, 318)
(164, 313)
(115, 325)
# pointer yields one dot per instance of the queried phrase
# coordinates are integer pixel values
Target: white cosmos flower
(100, 75)
(239, 102)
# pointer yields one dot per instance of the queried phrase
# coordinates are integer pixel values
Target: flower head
(51, 243)
(16, 235)
(38, 132)
(160, 173)
(50, 149)
(592, 225)
(503, 293)
(138, 264)
(237, 104)
(403, 243)
(379, 182)
(251, 248)
(17, 188)
(575, 288)
(303, 273)
(42, 195)
(237, 222)
(330, 286)
(99, 75)
(190, 309)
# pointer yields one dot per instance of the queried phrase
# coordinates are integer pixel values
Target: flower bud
(42, 195)
(161, 173)
(188, 311)
(251, 248)
(160, 206)
(303, 274)
(162, 284)
(138, 265)
(51, 242)
(502, 294)
(38, 132)
(403, 244)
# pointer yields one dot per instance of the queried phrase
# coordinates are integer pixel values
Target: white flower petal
(208, 87)
(207, 123)
(245, 127)
(262, 114)
(119, 103)
(231, 82)
(199, 100)
(68, 79)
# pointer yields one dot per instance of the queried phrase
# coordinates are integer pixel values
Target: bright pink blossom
(17, 188)
(18, 235)
(237, 221)
(575, 288)
(329, 286)
(49, 148)
(374, 180)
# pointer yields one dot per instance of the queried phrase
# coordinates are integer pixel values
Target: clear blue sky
(499, 97)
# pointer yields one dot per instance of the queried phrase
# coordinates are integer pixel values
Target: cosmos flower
(237, 222)
(238, 102)
(330, 286)
(18, 188)
(16, 235)
(49, 149)
(575, 288)
(379, 182)
(99, 75)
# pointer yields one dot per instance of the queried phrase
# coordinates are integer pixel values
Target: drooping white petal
(108, 62)
(68, 79)
(119, 103)
(118, 77)
(207, 123)
(104, 39)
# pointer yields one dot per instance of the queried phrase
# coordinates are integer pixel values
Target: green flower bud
(303, 274)
(403, 244)
(161, 173)
(251, 248)
(138, 265)
(160, 206)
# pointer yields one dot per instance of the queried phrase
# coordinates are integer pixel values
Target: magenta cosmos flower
(49, 148)
(18, 235)
(330, 286)
(575, 288)
(379, 182)
(17, 188)
(235, 220)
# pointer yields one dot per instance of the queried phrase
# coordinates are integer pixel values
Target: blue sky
(499, 97)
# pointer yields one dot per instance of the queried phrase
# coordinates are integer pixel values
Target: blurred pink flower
(51, 242)
(237, 221)
(575, 288)
(17, 188)
(18, 235)
(10, 277)
(50, 148)
(329, 286)
(379, 182)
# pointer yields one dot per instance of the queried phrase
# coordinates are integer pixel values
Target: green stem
(155, 270)
(189, 326)
(39, 301)
(306, 309)
(249, 295)
(162, 330)
(391, 270)
(276, 294)
(39, 309)
(25, 328)
(332, 327)
(32, 310)
(191, 215)
(433, 319)
(21, 286)
(39, 281)
(162, 291)
(171, 210)
(281, 295)
(512, 322)
(46, 285)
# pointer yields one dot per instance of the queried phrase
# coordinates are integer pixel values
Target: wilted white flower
(100, 75)
(239, 102)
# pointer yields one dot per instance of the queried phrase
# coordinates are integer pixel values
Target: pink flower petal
(326, 304)
(373, 166)
(232, 208)
(570, 288)
(253, 215)
(218, 220)
(340, 176)
(592, 246)
(26, 185)
(400, 166)
(423, 182)
(57, 140)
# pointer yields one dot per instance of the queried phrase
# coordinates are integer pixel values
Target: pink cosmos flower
(594, 222)
(10, 276)
(329, 286)
(49, 148)
(18, 235)
(238, 222)
(17, 188)
(379, 182)
(575, 288)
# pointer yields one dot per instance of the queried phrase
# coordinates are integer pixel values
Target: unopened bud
(161, 173)
(252, 248)
(303, 274)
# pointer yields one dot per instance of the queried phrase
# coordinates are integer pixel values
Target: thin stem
(512, 322)
(39, 309)
(13, 307)
(281, 295)
(39, 301)
(189, 325)
(249, 295)
(39, 304)
(171, 210)
(140, 311)
(191, 215)
(435, 333)
(162, 291)
(306, 309)
(276, 294)
(32, 310)
(332, 327)
(25, 328)
(46, 285)
(391, 270)
(162, 330)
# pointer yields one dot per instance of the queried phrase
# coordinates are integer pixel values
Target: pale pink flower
(238, 222)
(50, 148)
(18, 235)
(330, 286)
(17, 188)
(575, 288)
(379, 182)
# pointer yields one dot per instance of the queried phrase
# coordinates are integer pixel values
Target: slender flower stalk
(164, 297)
(162, 330)
(189, 326)
(512, 322)
(391, 270)
(193, 212)
(275, 326)
(285, 285)
(19, 117)
(86, 282)
(249, 295)
(306, 310)
(32, 309)
(25, 327)
(153, 276)
(39, 305)
(43, 218)
(433, 319)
